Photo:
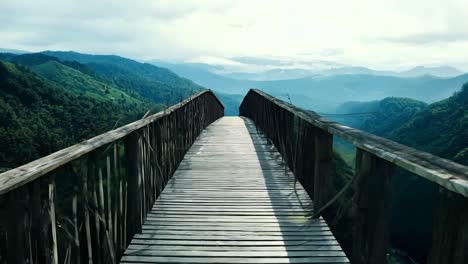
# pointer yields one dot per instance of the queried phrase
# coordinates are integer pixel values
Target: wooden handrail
(17, 177)
(83, 204)
(305, 141)
(444, 172)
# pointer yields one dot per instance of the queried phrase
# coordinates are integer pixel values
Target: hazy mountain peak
(13, 51)
(439, 71)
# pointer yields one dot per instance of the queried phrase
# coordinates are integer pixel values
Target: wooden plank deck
(232, 201)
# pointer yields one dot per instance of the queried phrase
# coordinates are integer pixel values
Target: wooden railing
(305, 141)
(83, 204)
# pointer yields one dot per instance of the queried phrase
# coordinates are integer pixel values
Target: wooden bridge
(188, 185)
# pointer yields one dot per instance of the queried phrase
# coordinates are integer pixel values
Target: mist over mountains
(269, 69)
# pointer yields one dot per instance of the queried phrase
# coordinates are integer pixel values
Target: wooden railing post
(14, 218)
(371, 209)
(134, 218)
(323, 168)
(450, 229)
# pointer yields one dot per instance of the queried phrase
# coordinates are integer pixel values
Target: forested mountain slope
(38, 117)
(48, 102)
(380, 117)
(441, 128)
(154, 83)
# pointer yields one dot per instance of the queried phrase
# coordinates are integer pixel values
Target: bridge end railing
(83, 204)
(305, 141)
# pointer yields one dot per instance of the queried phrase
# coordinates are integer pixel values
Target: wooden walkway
(232, 201)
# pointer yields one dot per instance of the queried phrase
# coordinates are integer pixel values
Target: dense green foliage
(379, 118)
(441, 128)
(383, 117)
(38, 117)
(74, 80)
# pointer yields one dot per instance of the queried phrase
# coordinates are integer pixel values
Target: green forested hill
(78, 82)
(151, 82)
(38, 117)
(377, 117)
(384, 116)
(441, 128)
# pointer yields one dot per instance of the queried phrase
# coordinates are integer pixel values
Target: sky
(384, 35)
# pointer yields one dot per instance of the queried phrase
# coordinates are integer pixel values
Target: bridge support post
(323, 168)
(450, 229)
(371, 209)
(134, 214)
(14, 218)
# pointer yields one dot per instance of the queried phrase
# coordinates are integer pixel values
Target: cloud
(429, 38)
(301, 30)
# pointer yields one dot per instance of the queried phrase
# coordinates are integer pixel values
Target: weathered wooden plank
(247, 225)
(182, 213)
(242, 254)
(188, 233)
(235, 248)
(154, 259)
(238, 243)
(245, 228)
(211, 209)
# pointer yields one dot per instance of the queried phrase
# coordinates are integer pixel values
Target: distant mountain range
(323, 93)
(264, 69)
(285, 74)
(13, 51)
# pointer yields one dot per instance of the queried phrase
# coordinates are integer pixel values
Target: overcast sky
(390, 34)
